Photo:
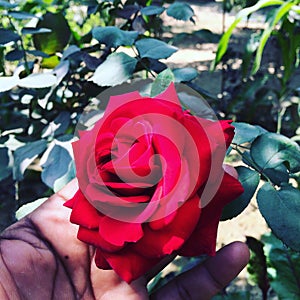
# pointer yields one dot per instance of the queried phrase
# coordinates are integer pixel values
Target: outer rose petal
(118, 233)
(93, 237)
(101, 261)
(128, 264)
(158, 243)
(83, 213)
(117, 101)
(228, 131)
(169, 94)
(203, 239)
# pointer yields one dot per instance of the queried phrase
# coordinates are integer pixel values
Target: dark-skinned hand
(41, 258)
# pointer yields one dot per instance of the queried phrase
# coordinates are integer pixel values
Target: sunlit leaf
(117, 68)
(161, 82)
(37, 81)
(56, 166)
(25, 155)
(246, 133)
(7, 83)
(154, 48)
(180, 11)
(185, 74)
(114, 37)
(271, 150)
(152, 10)
(27, 208)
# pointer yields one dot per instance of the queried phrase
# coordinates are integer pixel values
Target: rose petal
(93, 237)
(169, 94)
(118, 233)
(83, 213)
(158, 243)
(228, 131)
(115, 102)
(171, 162)
(169, 205)
(203, 239)
(101, 261)
(128, 264)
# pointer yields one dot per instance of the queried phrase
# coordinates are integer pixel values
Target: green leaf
(114, 37)
(14, 55)
(5, 170)
(180, 11)
(57, 39)
(21, 15)
(152, 10)
(161, 82)
(154, 48)
(33, 30)
(249, 180)
(246, 133)
(25, 155)
(257, 266)
(116, 69)
(7, 36)
(62, 181)
(281, 209)
(185, 74)
(284, 268)
(50, 62)
(70, 51)
(58, 126)
(223, 44)
(26, 209)
(270, 150)
(38, 81)
(56, 165)
(276, 17)
(194, 102)
(7, 4)
(37, 53)
(7, 83)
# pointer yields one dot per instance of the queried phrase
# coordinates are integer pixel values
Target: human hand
(41, 258)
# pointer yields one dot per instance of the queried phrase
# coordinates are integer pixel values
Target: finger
(68, 191)
(207, 279)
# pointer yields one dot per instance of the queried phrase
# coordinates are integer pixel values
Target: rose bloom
(151, 183)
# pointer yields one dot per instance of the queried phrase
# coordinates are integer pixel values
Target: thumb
(209, 278)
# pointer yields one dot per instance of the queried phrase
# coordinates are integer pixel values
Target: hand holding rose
(41, 258)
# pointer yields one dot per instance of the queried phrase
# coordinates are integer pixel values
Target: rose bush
(151, 183)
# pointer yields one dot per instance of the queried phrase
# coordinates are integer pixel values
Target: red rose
(151, 183)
